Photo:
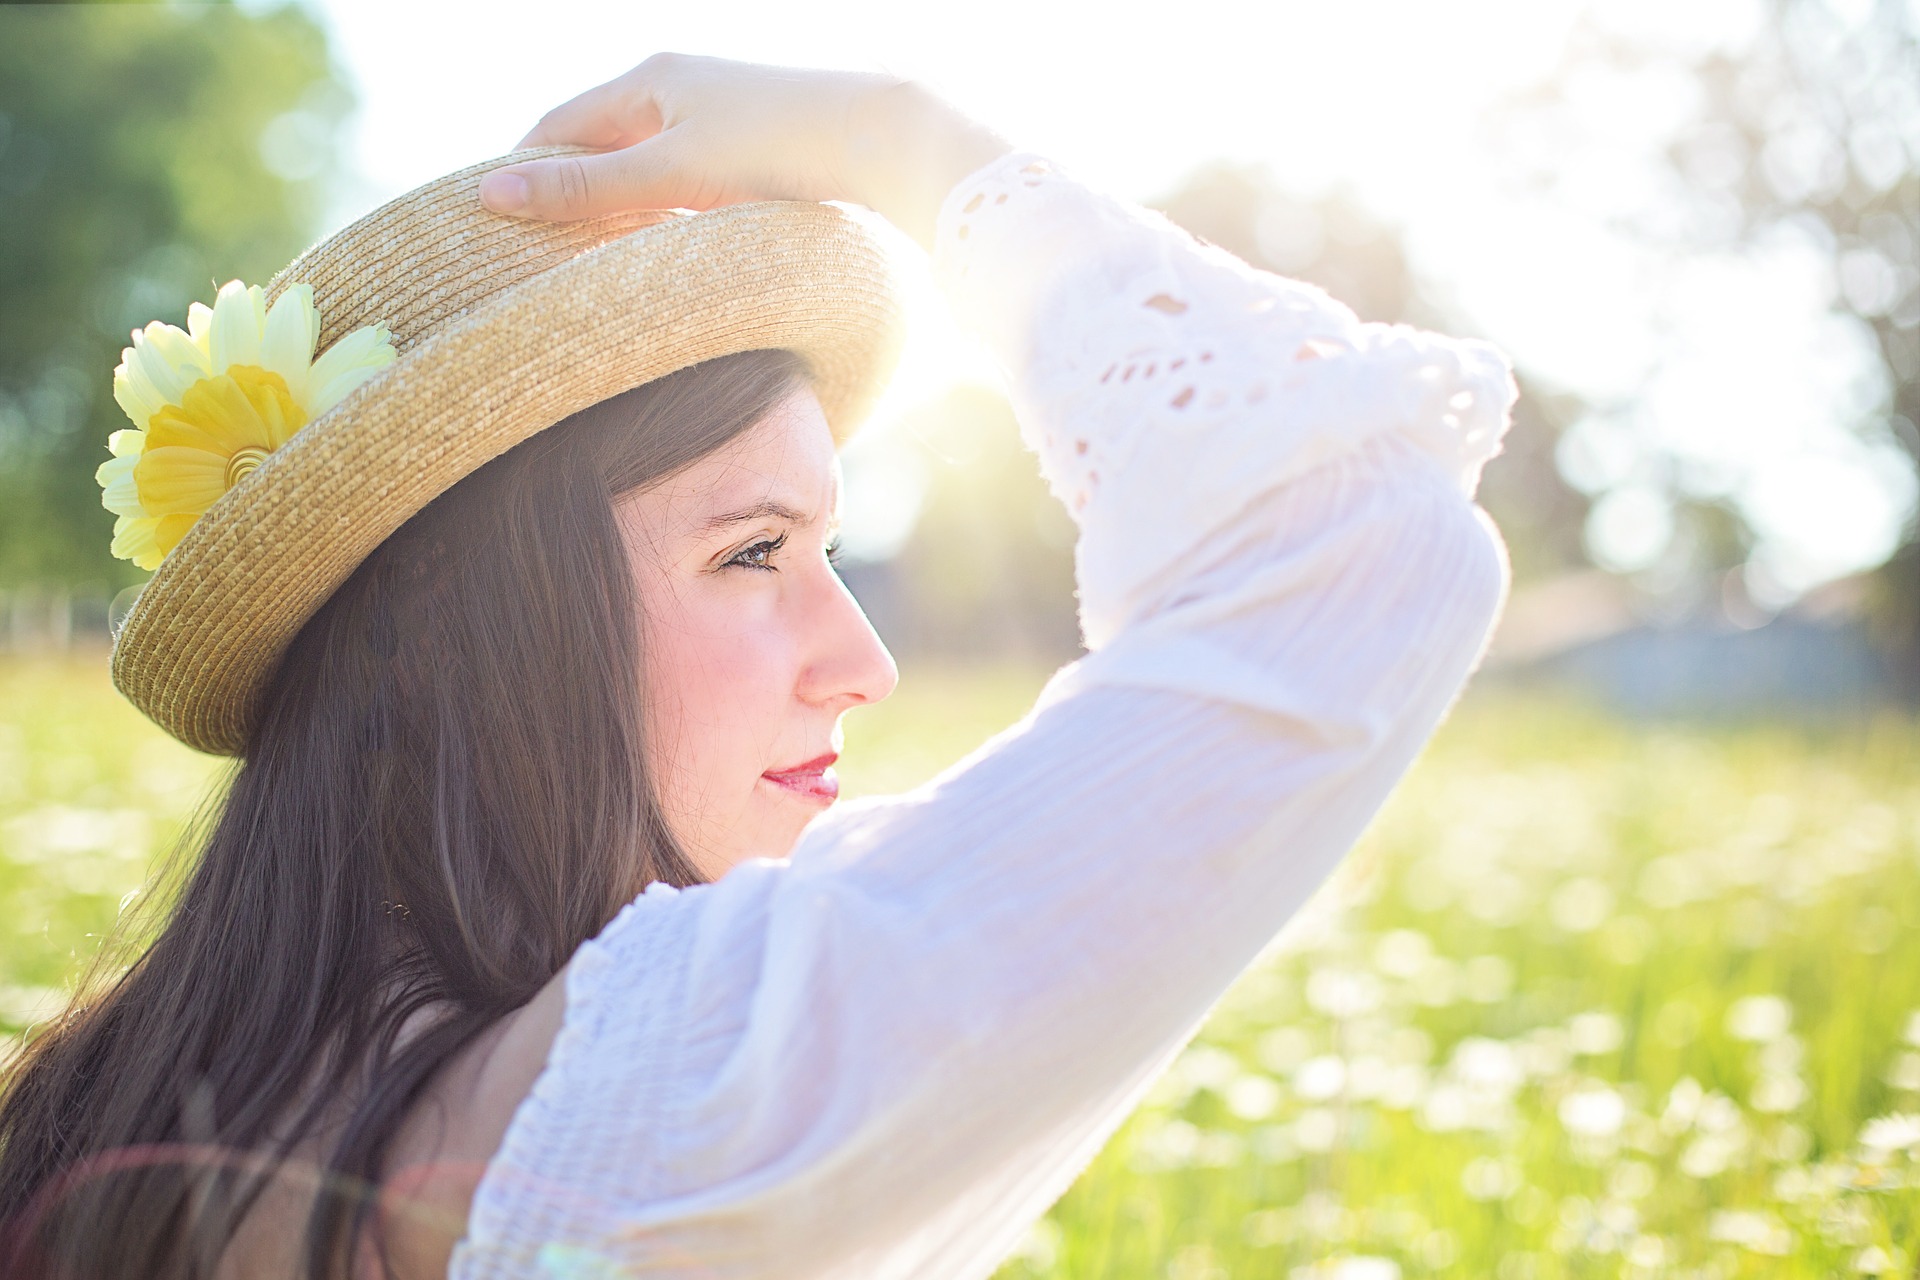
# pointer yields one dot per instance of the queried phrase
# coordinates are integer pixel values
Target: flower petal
(118, 493)
(135, 395)
(161, 364)
(200, 328)
(168, 530)
(134, 538)
(175, 427)
(239, 320)
(177, 347)
(178, 480)
(346, 364)
(272, 403)
(126, 444)
(146, 540)
(293, 326)
(244, 408)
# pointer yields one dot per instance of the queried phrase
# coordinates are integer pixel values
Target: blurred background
(1693, 230)
(1626, 981)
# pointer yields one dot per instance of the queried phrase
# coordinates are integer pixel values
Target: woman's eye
(833, 553)
(755, 556)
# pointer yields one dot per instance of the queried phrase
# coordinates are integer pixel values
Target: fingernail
(504, 192)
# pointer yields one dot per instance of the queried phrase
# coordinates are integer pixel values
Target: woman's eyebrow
(758, 511)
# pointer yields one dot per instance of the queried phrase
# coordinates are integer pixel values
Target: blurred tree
(1800, 116)
(147, 152)
(1339, 245)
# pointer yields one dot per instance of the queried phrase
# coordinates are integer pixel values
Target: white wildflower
(1759, 1019)
(1897, 1132)
(1594, 1033)
(1320, 1078)
(1595, 1112)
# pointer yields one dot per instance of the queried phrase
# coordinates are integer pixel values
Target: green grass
(1589, 1000)
(90, 794)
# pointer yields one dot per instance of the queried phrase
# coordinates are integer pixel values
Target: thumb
(569, 188)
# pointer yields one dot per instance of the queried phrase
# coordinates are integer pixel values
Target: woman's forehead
(783, 467)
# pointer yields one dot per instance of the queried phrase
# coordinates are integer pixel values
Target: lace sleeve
(1167, 386)
(883, 1057)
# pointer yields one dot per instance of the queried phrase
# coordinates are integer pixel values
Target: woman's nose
(850, 662)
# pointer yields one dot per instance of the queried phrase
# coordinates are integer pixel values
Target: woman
(530, 919)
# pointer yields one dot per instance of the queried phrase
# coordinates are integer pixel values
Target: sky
(1735, 366)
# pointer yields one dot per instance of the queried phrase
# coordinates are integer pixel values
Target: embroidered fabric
(885, 1055)
(1199, 385)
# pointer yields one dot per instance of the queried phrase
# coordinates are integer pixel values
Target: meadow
(1591, 999)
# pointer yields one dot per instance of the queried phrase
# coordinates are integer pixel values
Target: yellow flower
(211, 403)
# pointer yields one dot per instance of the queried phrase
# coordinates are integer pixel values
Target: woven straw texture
(504, 327)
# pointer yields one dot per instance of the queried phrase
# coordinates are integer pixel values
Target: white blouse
(887, 1054)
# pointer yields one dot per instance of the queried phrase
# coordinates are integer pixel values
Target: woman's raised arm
(886, 1055)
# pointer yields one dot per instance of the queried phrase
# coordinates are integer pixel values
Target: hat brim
(202, 640)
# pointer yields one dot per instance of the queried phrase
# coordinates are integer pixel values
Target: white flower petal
(239, 320)
(133, 539)
(286, 348)
(118, 493)
(345, 365)
(126, 444)
(136, 396)
(162, 363)
(200, 328)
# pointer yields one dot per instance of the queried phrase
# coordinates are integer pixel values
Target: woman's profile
(495, 539)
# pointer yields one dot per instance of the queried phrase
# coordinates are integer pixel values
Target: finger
(618, 113)
(644, 176)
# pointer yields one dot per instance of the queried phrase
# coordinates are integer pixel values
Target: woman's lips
(813, 780)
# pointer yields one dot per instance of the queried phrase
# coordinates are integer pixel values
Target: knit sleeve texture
(885, 1055)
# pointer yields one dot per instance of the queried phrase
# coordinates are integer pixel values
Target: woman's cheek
(722, 682)
(730, 693)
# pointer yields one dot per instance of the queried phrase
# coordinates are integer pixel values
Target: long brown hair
(443, 798)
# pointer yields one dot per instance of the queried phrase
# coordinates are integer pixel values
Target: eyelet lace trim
(1194, 384)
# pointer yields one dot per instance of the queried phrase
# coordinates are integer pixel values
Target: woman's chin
(779, 823)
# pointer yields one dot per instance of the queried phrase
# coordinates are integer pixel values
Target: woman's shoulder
(442, 1148)
(435, 1161)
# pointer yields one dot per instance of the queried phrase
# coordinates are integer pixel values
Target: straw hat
(503, 327)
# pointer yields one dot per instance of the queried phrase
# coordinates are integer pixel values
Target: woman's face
(753, 646)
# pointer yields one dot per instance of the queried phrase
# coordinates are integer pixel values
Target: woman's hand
(688, 132)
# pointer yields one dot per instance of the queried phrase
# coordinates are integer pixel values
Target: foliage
(1801, 122)
(146, 154)
(1590, 1000)
(91, 794)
